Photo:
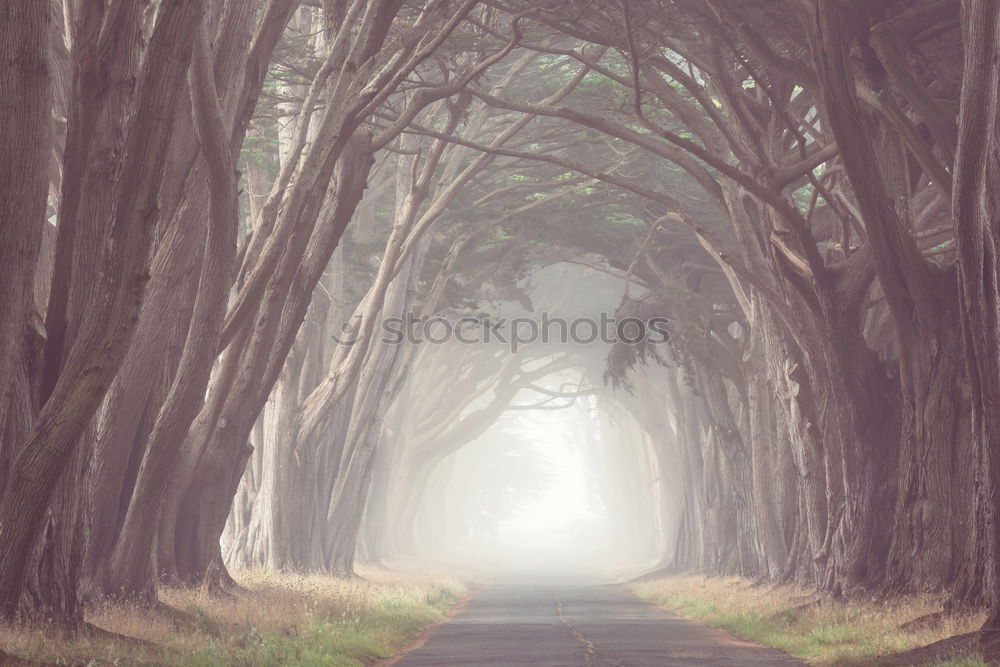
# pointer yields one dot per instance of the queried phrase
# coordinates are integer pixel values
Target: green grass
(277, 620)
(354, 639)
(857, 632)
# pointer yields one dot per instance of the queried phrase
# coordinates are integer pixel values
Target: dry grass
(279, 620)
(796, 620)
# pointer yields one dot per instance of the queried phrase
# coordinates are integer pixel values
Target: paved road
(589, 626)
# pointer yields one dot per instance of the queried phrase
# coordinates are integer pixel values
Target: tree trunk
(131, 561)
(975, 207)
(24, 106)
(104, 334)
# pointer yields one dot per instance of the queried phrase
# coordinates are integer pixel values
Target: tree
(974, 208)
(105, 328)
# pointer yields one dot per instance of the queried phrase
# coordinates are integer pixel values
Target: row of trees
(198, 194)
(833, 410)
(830, 412)
(149, 319)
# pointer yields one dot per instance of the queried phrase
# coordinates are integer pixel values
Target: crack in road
(590, 652)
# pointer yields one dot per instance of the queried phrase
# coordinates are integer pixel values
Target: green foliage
(622, 219)
(262, 148)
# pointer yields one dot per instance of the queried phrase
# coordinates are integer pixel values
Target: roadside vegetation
(276, 619)
(820, 630)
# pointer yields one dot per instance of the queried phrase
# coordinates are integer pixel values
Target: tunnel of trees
(207, 208)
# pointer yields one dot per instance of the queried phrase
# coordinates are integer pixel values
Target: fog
(560, 482)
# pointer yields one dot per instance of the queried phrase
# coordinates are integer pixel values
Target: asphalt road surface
(589, 626)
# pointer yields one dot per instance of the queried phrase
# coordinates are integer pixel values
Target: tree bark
(24, 142)
(131, 561)
(104, 334)
(975, 207)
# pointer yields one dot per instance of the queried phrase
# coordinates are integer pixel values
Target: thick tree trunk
(233, 80)
(975, 207)
(24, 106)
(929, 527)
(104, 333)
(135, 396)
(766, 457)
(131, 561)
(347, 508)
(102, 104)
(216, 449)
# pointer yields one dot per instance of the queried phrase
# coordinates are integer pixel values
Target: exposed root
(939, 650)
(925, 622)
(93, 631)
